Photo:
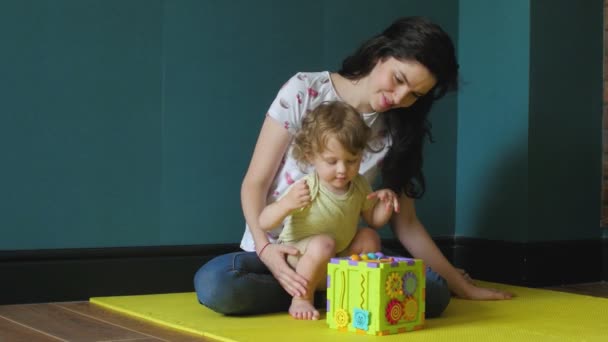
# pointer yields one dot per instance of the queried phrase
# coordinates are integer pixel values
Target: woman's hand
(273, 256)
(474, 292)
(465, 275)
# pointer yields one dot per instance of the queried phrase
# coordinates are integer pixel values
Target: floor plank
(67, 325)
(11, 331)
(135, 340)
(599, 289)
(110, 317)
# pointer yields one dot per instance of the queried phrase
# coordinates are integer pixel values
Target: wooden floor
(85, 322)
(78, 321)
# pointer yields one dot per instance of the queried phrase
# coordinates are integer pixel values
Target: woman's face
(395, 83)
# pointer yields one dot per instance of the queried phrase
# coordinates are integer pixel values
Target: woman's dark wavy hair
(417, 39)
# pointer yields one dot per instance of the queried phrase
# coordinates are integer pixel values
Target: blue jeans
(240, 284)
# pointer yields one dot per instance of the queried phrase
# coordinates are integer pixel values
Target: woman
(392, 80)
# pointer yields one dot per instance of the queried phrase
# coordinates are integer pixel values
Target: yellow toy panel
(376, 295)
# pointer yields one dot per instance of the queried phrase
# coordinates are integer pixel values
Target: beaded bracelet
(261, 250)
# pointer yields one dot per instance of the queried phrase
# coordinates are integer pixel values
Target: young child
(321, 212)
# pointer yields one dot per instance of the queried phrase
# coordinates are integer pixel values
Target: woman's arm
(272, 144)
(414, 237)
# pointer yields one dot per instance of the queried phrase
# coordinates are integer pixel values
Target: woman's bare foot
(302, 308)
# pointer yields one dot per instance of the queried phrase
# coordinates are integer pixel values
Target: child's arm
(379, 214)
(298, 196)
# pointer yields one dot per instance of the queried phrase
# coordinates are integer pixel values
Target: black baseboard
(534, 264)
(78, 274)
(605, 258)
(445, 244)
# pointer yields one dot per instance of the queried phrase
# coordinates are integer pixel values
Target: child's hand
(298, 197)
(388, 198)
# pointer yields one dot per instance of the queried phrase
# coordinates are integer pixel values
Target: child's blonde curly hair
(330, 120)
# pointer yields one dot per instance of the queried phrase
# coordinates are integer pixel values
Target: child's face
(336, 166)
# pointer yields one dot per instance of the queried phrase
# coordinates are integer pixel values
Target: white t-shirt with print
(298, 97)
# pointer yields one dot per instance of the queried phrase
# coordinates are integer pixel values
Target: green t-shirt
(329, 213)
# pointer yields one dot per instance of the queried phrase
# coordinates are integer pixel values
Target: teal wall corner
(566, 82)
(529, 124)
(492, 153)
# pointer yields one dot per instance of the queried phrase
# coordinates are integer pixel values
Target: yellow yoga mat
(534, 315)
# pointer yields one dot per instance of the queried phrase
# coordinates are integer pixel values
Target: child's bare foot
(302, 308)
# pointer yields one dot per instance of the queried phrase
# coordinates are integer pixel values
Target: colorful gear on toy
(410, 283)
(394, 311)
(361, 319)
(410, 310)
(341, 317)
(394, 285)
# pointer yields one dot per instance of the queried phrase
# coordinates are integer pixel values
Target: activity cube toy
(376, 295)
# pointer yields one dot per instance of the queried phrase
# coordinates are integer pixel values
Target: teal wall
(529, 120)
(80, 123)
(491, 175)
(131, 123)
